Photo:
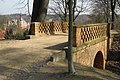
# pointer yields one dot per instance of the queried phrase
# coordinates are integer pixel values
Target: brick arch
(99, 60)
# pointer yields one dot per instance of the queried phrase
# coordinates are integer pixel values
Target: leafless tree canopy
(25, 4)
(106, 8)
(60, 8)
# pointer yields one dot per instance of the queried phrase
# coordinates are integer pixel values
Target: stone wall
(48, 28)
(88, 41)
(85, 55)
(86, 33)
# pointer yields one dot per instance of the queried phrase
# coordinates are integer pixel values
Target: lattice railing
(48, 27)
(85, 33)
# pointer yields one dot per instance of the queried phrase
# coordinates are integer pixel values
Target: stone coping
(89, 25)
(89, 43)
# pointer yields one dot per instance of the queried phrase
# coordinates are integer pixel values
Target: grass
(58, 71)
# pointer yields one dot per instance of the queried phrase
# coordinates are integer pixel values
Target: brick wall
(86, 33)
(2, 35)
(86, 55)
(48, 28)
(88, 41)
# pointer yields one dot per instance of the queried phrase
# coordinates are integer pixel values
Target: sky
(14, 6)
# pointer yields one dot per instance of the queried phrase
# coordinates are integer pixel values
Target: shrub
(14, 32)
(22, 35)
(9, 33)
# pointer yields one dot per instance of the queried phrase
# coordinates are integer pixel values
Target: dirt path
(17, 54)
(24, 59)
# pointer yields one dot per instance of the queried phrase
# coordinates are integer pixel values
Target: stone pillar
(76, 36)
(64, 27)
(32, 29)
(37, 30)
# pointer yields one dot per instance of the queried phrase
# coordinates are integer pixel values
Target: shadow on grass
(26, 72)
(113, 55)
(56, 72)
(50, 76)
(96, 73)
(58, 46)
(9, 50)
(6, 71)
(15, 57)
(22, 75)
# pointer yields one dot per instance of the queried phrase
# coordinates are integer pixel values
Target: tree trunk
(113, 5)
(112, 19)
(108, 12)
(39, 10)
(70, 40)
(65, 15)
(74, 6)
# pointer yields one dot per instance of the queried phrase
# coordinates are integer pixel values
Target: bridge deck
(15, 54)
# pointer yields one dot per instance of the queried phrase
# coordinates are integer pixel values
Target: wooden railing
(48, 28)
(85, 33)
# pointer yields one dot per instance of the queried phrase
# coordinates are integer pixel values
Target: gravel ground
(26, 60)
(17, 55)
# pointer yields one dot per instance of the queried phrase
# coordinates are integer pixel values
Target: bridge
(50, 39)
(90, 42)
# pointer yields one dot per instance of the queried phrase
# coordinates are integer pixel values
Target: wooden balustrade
(85, 33)
(41, 28)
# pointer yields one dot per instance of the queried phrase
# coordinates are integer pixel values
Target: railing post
(76, 36)
(32, 29)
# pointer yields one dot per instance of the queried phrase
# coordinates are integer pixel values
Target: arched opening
(98, 61)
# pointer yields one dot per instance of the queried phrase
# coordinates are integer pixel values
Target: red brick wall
(2, 35)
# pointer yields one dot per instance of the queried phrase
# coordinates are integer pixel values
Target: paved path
(16, 54)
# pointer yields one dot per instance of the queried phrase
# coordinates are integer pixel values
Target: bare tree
(39, 9)
(25, 4)
(71, 68)
(108, 9)
(80, 6)
(60, 8)
(101, 8)
(28, 6)
(113, 6)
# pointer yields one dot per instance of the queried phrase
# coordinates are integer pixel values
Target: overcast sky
(13, 6)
